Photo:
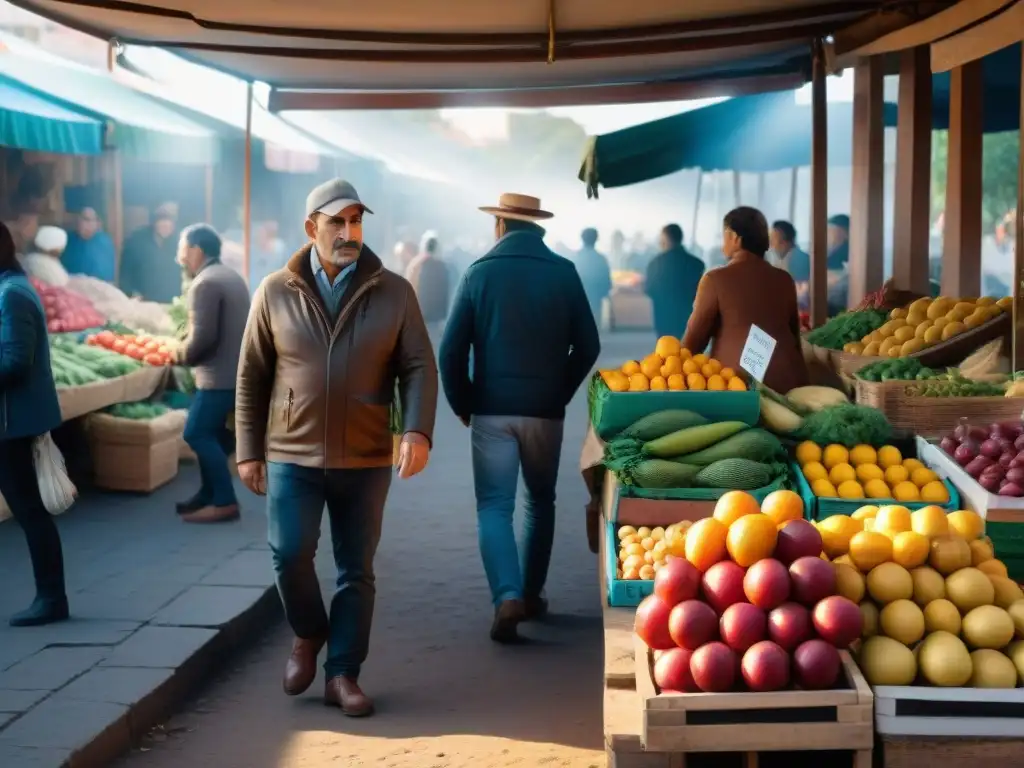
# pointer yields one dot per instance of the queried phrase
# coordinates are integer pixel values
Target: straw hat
(519, 207)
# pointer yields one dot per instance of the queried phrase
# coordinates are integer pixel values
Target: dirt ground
(447, 697)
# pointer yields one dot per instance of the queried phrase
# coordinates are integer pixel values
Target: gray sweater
(218, 306)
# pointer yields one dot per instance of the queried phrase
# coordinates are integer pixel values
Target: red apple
(766, 584)
(816, 665)
(813, 580)
(676, 581)
(798, 538)
(692, 623)
(838, 620)
(723, 585)
(651, 623)
(765, 667)
(789, 625)
(672, 671)
(742, 625)
(713, 667)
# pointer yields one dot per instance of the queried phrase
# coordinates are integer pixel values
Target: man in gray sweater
(218, 306)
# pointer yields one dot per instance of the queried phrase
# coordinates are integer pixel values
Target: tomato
(135, 351)
(154, 359)
(119, 346)
(91, 340)
(106, 338)
(164, 350)
(151, 346)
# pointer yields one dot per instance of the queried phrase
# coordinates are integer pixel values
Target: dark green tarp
(31, 122)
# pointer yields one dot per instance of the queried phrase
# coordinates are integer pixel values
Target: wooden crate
(919, 752)
(904, 710)
(782, 721)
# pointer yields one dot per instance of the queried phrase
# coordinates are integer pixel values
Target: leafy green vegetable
(847, 327)
(899, 369)
(956, 386)
(142, 411)
(848, 425)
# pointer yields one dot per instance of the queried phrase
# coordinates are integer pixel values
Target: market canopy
(1001, 101)
(142, 127)
(31, 122)
(435, 52)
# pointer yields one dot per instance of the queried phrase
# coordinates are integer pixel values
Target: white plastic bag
(55, 487)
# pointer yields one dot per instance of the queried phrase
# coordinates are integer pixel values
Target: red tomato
(91, 340)
(106, 338)
(154, 359)
(120, 346)
(151, 346)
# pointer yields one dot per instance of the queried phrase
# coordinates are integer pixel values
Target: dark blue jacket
(523, 312)
(28, 396)
(672, 278)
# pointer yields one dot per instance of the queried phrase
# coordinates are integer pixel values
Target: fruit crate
(792, 720)
(974, 497)
(907, 710)
(621, 593)
(818, 508)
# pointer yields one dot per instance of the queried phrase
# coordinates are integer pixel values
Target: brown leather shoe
(300, 669)
(212, 514)
(345, 693)
(507, 617)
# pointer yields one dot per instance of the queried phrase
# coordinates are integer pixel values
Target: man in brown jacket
(326, 339)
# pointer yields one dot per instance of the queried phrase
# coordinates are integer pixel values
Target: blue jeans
(355, 505)
(502, 445)
(207, 434)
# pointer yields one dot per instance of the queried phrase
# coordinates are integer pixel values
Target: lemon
(813, 470)
(896, 474)
(835, 454)
(877, 489)
(906, 491)
(808, 452)
(910, 549)
(929, 521)
(911, 464)
(868, 510)
(836, 532)
(866, 472)
(862, 454)
(966, 524)
(824, 488)
(889, 456)
(935, 491)
(841, 473)
(922, 476)
(893, 518)
(850, 489)
(868, 549)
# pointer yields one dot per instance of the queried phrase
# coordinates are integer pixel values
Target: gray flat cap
(332, 197)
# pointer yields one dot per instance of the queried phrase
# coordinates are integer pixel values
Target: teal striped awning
(31, 122)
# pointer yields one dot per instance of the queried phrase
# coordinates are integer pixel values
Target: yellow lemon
(824, 488)
(868, 549)
(667, 346)
(862, 454)
(850, 489)
(866, 472)
(910, 549)
(935, 492)
(922, 476)
(836, 532)
(835, 454)
(814, 471)
(868, 510)
(906, 491)
(631, 367)
(895, 475)
(639, 383)
(893, 518)
(877, 489)
(807, 452)
(840, 473)
(966, 524)
(889, 456)
(912, 464)
(929, 521)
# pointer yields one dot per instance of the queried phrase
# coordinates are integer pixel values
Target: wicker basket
(954, 350)
(938, 416)
(848, 364)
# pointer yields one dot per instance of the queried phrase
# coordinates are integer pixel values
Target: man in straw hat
(326, 338)
(523, 313)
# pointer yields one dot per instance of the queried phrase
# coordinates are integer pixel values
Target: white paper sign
(757, 353)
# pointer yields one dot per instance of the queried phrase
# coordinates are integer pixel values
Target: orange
(705, 543)
(667, 346)
(910, 549)
(672, 365)
(630, 367)
(736, 384)
(650, 366)
(690, 367)
(716, 383)
(675, 382)
(659, 383)
(783, 506)
(711, 367)
(733, 505)
(727, 373)
(868, 549)
(993, 568)
(695, 381)
(751, 538)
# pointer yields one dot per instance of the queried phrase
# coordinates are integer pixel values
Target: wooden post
(912, 198)
(1018, 257)
(247, 186)
(961, 257)
(868, 193)
(110, 165)
(819, 190)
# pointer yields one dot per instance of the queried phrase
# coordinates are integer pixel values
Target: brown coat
(749, 290)
(317, 394)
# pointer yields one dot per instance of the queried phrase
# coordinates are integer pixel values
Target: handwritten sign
(757, 353)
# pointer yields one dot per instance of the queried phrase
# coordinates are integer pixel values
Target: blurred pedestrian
(148, 259)
(595, 273)
(788, 256)
(90, 250)
(671, 283)
(428, 276)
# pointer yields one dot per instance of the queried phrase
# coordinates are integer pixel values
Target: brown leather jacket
(317, 394)
(749, 291)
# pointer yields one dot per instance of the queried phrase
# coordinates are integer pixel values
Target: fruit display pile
(66, 311)
(671, 367)
(926, 322)
(993, 455)
(862, 472)
(823, 415)
(938, 607)
(847, 327)
(751, 604)
(75, 365)
(149, 350)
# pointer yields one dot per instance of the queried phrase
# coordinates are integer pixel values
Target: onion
(995, 470)
(949, 445)
(1018, 460)
(999, 430)
(1007, 459)
(978, 465)
(1005, 443)
(1011, 489)
(965, 453)
(1019, 443)
(991, 483)
(977, 433)
(963, 430)
(992, 449)
(1015, 475)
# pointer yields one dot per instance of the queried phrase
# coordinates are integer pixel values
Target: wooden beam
(819, 190)
(961, 257)
(1018, 259)
(876, 26)
(282, 100)
(1001, 30)
(868, 188)
(912, 198)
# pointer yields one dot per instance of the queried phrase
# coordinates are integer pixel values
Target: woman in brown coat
(748, 291)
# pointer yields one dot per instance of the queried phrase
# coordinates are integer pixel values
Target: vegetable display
(142, 411)
(956, 386)
(74, 365)
(65, 309)
(993, 455)
(671, 367)
(847, 327)
(143, 348)
(863, 472)
(847, 425)
(902, 369)
(110, 301)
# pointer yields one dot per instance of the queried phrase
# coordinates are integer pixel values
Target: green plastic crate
(611, 412)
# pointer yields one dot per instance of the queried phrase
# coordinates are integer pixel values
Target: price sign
(757, 353)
